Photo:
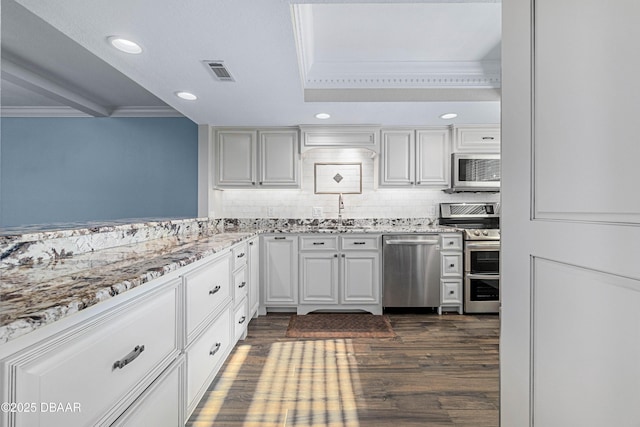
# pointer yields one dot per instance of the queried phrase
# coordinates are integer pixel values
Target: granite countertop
(38, 294)
(67, 285)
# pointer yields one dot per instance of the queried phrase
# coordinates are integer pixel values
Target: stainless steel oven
(482, 276)
(480, 224)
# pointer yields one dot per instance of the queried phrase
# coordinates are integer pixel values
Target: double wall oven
(480, 223)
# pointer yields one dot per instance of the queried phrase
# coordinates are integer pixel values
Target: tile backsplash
(382, 202)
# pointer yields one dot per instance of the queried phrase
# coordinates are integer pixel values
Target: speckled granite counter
(46, 276)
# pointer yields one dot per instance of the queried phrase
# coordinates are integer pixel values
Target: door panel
(569, 215)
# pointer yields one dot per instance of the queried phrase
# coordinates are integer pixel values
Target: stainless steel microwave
(475, 172)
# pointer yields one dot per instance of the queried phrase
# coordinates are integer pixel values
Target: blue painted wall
(92, 169)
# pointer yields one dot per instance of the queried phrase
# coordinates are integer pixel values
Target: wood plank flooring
(440, 371)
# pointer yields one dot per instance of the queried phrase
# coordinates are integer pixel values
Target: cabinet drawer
(206, 289)
(360, 242)
(239, 254)
(451, 291)
(160, 405)
(240, 286)
(320, 243)
(206, 355)
(103, 365)
(451, 264)
(451, 242)
(240, 321)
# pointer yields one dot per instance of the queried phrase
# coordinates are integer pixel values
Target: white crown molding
(469, 94)
(71, 112)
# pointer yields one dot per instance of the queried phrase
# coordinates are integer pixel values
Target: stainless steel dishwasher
(411, 270)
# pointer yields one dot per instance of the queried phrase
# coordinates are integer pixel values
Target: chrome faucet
(340, 208)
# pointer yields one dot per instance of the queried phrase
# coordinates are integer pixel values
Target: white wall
(372, 203)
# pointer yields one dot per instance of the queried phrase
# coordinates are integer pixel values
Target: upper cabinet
(250, 158)
(412, 157)
(476, 138)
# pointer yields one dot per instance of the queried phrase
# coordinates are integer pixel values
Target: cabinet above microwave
(474, 172)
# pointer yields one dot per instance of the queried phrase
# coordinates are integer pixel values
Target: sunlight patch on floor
(305, 383)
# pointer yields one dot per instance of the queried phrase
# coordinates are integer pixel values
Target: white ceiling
(389, 63)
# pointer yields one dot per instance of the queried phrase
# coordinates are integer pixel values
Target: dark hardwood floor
(439, 371)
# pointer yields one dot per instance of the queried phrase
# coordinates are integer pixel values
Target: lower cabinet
(98, 368)
(144, 358)
(279, 272)
(451, 269)
(339, 272)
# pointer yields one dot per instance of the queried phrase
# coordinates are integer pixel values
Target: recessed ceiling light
(125, 45)
(186, 95)
(448, 116)
(322, 116)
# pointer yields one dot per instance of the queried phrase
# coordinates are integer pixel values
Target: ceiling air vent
(219, 70)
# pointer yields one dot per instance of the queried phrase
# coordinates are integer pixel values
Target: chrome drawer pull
(242, 285)
(241, 255)
(214, 290)
(451, 265)
(359, 243)
(280, 238)
(242, 319)
(215, 349)
(488, 138)
(137, 351)
(318, 243)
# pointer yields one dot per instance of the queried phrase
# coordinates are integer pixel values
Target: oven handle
(490, 246)
(483, 276)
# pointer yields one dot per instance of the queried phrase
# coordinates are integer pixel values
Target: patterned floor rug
(339, 325)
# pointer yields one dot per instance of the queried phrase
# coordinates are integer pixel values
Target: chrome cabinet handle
(359, 243)
(215, 349)
(242, 319)
(241, 255)
(214, 290)
(242, 285)
(133, 355)
(318, 243)
(451, 265)
(488, 138)
(280, 238)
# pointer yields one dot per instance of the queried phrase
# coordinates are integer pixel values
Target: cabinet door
(477, 138)
(278, 154)
(398, 151)
(433, 157)
(319, 277)
(360, 278)
(236, 158)
(254, 276)
(280, 270)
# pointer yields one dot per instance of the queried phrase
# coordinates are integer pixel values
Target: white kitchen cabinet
(251, 158)
(451, 270)
(100, 366)
(340, 273)
(476, 138)
(254, 276)
(279, 271)
(240, 282)
(412, 157)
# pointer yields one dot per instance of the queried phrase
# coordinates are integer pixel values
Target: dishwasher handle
(411, 242)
